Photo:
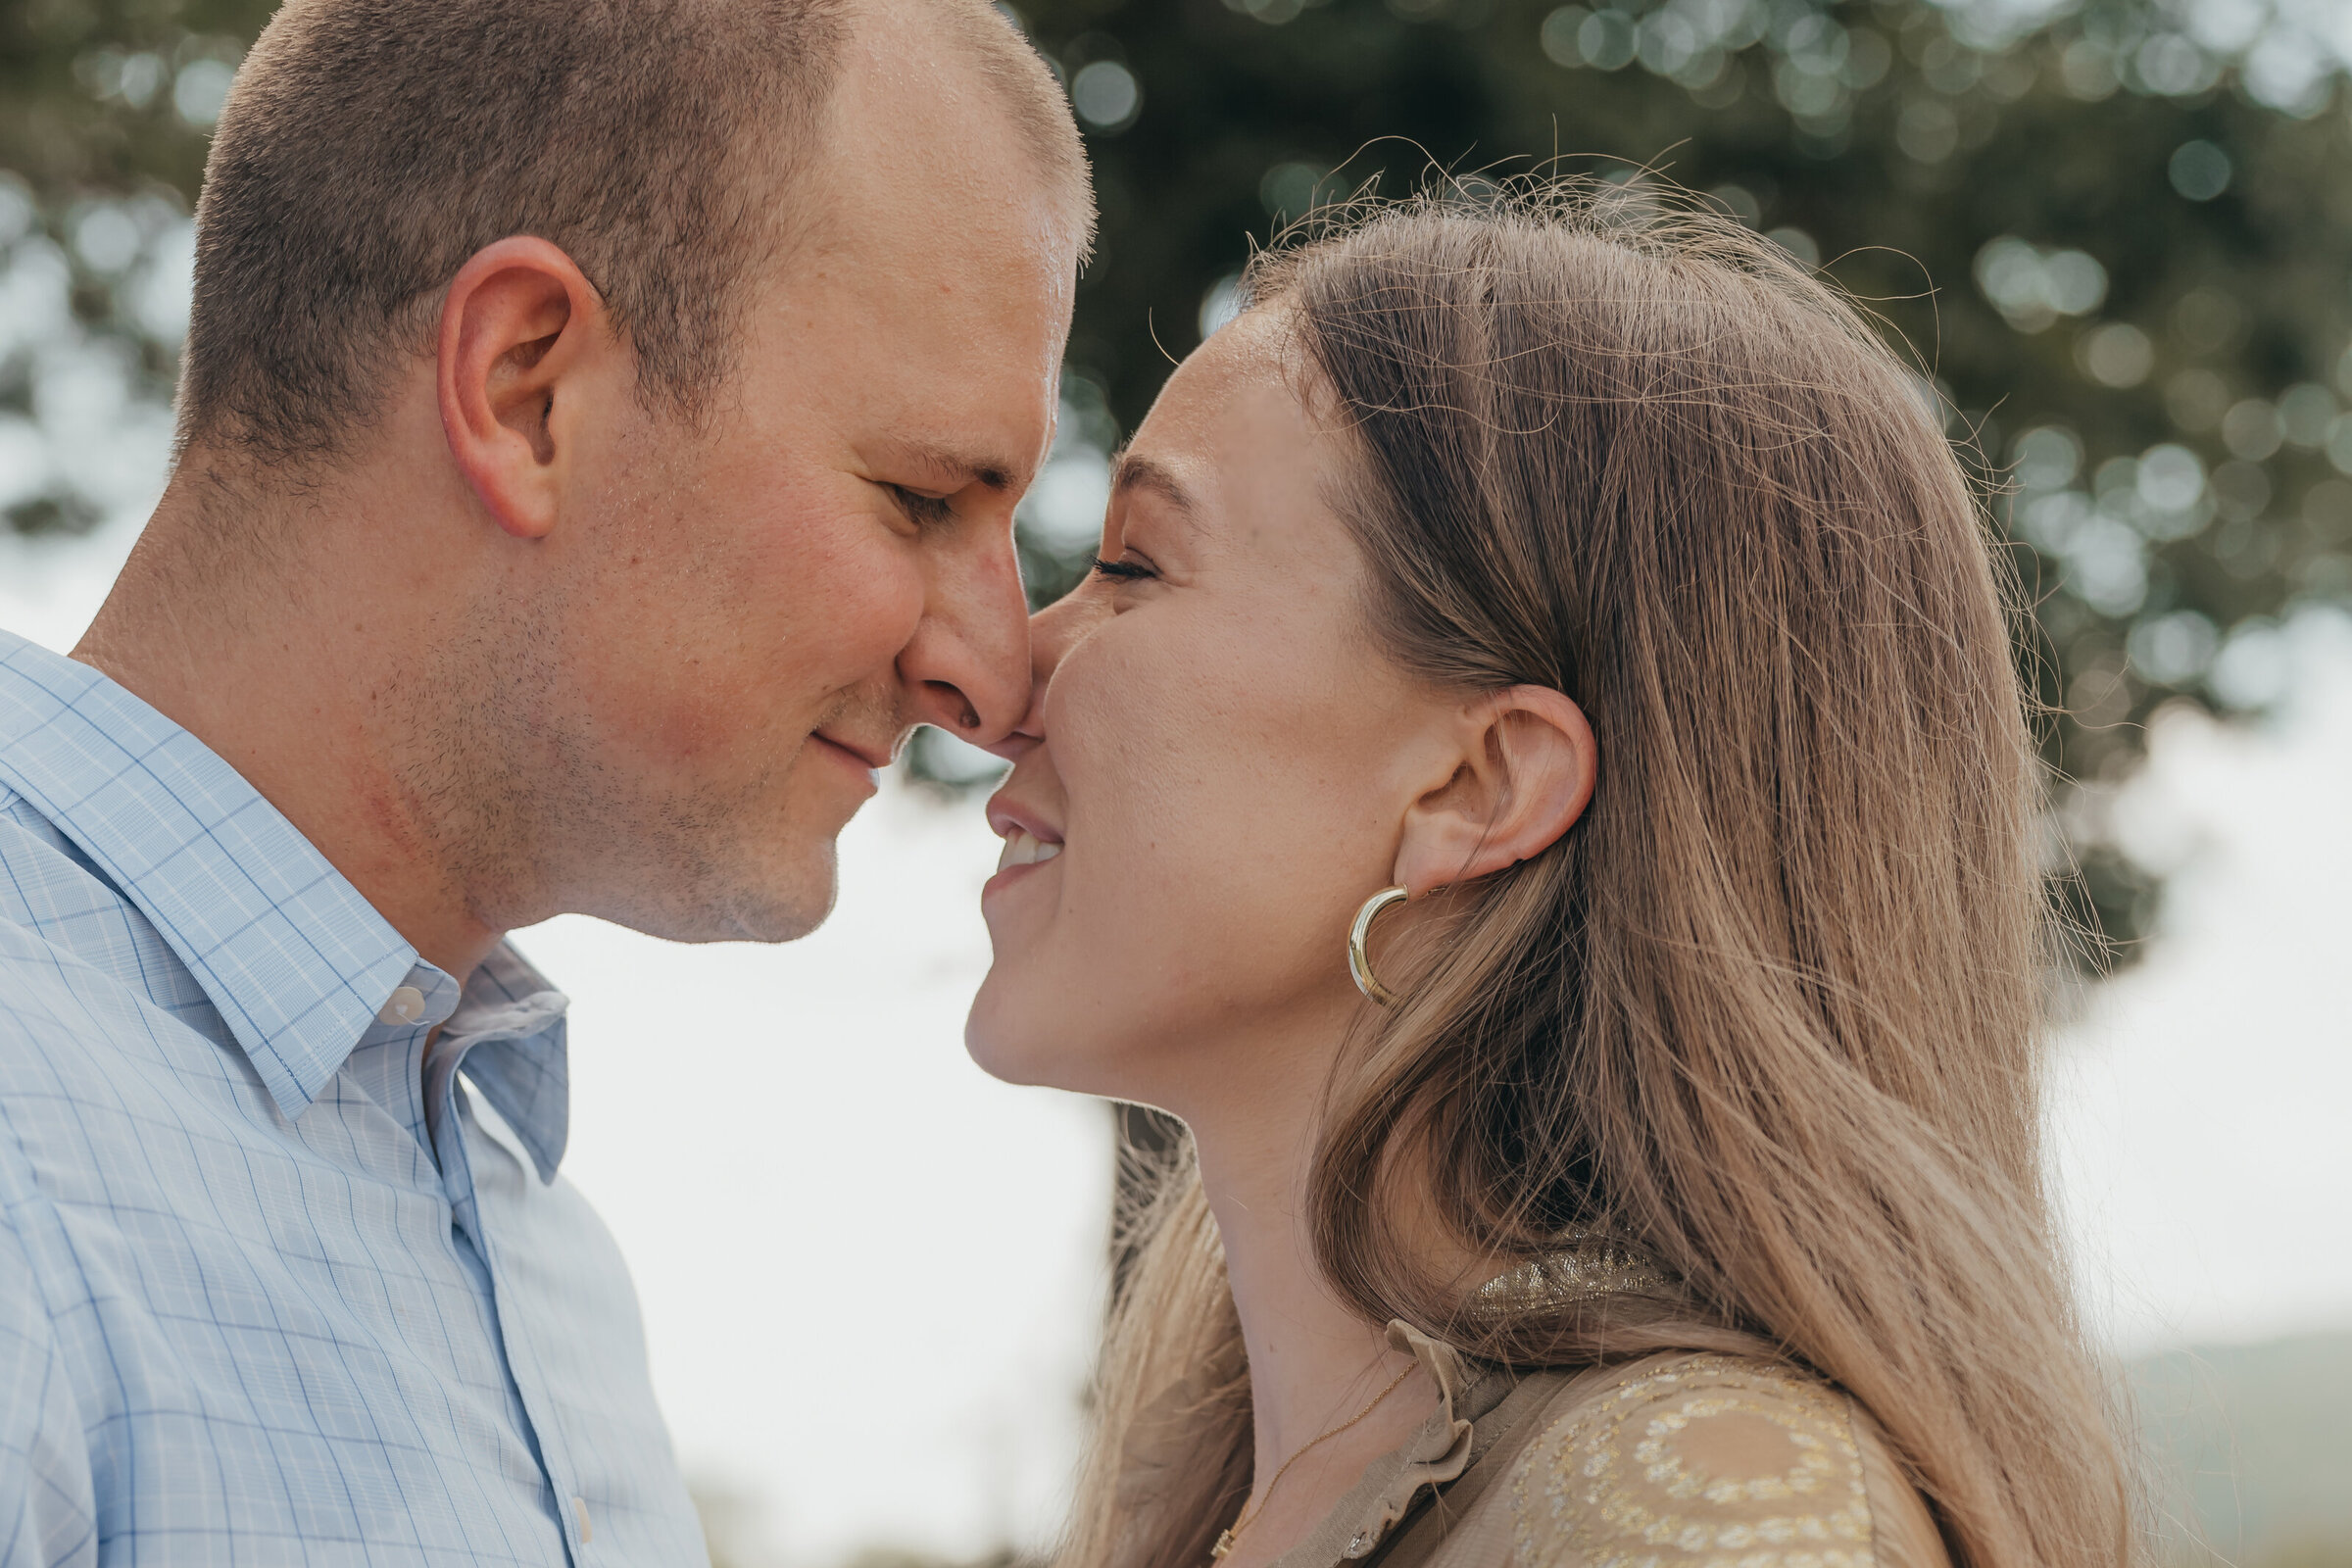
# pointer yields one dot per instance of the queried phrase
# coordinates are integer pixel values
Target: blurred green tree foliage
(105, 108)
(2116, 233)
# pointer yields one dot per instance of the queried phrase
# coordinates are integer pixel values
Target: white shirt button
(579, 1508)
(405, 1007)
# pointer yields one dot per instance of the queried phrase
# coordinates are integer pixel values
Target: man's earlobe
(1523, 772)
(517, 323)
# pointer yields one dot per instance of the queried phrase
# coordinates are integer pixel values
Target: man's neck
(288, 683)
(1313, 1362)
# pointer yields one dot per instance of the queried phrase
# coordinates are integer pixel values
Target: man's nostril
(966, 715)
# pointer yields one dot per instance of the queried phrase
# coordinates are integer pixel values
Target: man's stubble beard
(506, 771)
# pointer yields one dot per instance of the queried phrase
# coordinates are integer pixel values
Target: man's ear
(1523, 774)
(518, 325)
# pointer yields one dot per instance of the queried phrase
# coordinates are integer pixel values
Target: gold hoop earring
(1359, 963)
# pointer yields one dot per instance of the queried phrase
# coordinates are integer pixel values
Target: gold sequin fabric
(1584, 1269)
(1709, 1462)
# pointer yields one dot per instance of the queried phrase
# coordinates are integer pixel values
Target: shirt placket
(525, 1370)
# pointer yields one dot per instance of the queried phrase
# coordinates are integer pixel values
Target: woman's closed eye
(1123, 570)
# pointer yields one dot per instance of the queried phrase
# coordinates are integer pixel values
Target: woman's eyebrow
(1130, 472)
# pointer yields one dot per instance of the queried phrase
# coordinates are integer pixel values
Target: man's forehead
(1012, 251)
(931, 108)
(944, 269)
(918, 148)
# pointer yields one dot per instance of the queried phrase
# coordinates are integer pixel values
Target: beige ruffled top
(1673, 1461)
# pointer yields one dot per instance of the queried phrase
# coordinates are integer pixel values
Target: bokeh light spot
(2117, 354)
(201, 89)
(1106, 95)
(2199, 171)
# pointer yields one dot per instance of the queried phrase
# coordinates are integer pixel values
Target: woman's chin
(1016, 1042)
(998, 1041)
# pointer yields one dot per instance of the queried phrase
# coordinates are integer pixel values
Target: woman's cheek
(1115, 729)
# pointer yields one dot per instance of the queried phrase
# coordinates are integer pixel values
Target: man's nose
(1052, 632)
(968, 662)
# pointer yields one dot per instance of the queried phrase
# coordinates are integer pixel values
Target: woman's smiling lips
(1029, 842)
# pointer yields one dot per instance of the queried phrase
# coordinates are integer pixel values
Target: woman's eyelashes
(1122, 571)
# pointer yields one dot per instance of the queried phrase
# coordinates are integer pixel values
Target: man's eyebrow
(962, 468)
(1131, 472)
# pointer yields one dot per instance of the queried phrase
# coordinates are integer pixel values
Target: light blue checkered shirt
(274, 1289)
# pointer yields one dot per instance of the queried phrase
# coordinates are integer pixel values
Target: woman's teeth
(1027, 848)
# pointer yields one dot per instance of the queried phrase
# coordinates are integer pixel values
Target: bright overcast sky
(850, 1245)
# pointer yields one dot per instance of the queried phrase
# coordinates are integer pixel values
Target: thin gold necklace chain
(1227, 1538)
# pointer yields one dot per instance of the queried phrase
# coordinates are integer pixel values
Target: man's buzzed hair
(370, 146)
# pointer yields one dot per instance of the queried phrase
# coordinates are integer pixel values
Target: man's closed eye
(923, 510)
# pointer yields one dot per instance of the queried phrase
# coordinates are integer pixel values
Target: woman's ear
(519, 323)
(1523, 774)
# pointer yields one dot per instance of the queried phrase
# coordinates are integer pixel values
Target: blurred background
(2117, 237)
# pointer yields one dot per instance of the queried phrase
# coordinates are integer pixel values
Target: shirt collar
(297, 962)
(510, 1034)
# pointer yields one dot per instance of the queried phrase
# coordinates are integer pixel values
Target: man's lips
(864, 751)
(868, 756)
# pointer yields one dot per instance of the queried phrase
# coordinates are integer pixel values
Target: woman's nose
(1053, 632)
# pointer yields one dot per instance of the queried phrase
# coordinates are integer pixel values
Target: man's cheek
(853, 622)
(664, 726)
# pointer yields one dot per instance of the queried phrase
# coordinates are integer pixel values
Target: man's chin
(782, 914)
(783, 908)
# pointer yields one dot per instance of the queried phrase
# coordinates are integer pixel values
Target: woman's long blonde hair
(1769, 1013)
